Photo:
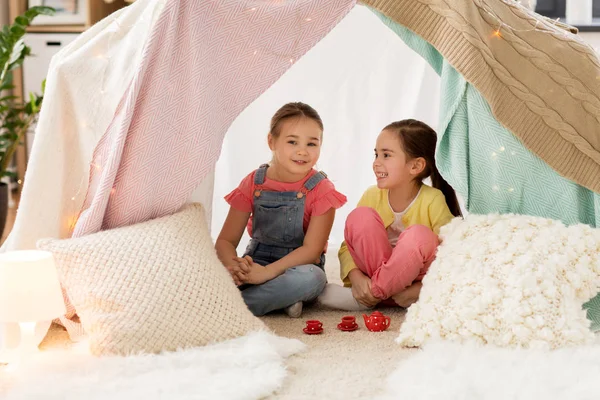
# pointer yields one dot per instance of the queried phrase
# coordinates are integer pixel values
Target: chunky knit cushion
(512, 281)
(153, 286)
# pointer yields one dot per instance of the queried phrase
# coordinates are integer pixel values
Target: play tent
(137, 108)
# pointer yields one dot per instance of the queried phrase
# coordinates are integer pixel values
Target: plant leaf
(16, 51)
(17, 30)
(21, 20)
(33, 12)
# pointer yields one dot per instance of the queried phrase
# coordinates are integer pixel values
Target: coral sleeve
(241, 197)
(327, 198)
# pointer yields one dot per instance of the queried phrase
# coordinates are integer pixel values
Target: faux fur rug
(246, 368)
(459, 372)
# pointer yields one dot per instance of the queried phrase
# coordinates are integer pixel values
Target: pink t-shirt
(319, 200)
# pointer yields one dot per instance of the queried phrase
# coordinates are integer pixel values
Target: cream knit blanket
(541, 82)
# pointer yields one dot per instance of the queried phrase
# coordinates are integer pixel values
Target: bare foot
(408, 296)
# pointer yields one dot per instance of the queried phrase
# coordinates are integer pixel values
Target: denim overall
(277, 231)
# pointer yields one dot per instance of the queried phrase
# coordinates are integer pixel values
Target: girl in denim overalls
(288, 209)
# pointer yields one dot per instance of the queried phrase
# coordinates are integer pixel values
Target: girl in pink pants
(392, 236)
(391, 269)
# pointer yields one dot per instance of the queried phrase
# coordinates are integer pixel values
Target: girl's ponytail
(440, 183)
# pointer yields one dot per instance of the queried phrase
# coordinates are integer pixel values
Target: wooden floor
(10, 217)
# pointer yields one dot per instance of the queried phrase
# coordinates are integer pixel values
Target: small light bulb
(502, 148)
(73, 198)
(19, 181)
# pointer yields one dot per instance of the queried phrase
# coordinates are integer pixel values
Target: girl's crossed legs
(391, 269)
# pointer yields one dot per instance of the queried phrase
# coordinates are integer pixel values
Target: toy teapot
(377, 322)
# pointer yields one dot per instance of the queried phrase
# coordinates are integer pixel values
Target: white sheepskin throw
(247, 368)
(510, 281)
(448, 371)
(153, 286)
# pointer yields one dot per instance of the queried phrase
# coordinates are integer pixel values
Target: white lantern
(29, 292)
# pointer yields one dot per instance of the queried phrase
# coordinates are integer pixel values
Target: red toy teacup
(348, 323)
(313, 326)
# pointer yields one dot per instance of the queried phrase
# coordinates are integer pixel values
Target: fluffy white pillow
(507, 280)
(153, 286)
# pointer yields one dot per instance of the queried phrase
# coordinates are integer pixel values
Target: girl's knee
(361, 215)
(423, 236)
(361, 220)
(312, 281)
(318, 278)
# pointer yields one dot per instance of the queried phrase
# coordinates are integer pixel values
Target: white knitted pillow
(512, 281)
(153, 286)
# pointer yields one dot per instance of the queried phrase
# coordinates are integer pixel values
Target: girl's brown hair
(419, 140)
(293, 110)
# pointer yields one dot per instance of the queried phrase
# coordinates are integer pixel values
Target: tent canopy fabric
(486, 164)
(130, 136)
(164, 133)
(539, 80)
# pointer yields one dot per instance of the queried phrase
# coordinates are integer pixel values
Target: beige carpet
(336, 364)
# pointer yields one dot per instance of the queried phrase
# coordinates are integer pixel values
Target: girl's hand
(361, 288)
(234, 275)
(258, 274)
(228, 240)
(238, 269)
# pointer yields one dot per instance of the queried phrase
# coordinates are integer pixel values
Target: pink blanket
(205, 62)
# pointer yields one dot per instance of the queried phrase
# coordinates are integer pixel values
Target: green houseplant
(15, 116)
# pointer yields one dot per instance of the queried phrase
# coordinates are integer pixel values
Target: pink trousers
(391, 269)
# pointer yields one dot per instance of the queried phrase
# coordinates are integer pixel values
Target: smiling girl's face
(297, 148)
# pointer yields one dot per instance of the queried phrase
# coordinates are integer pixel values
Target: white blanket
(458, 372)
(250, 367)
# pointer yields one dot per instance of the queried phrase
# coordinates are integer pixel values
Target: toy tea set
(376, 322)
